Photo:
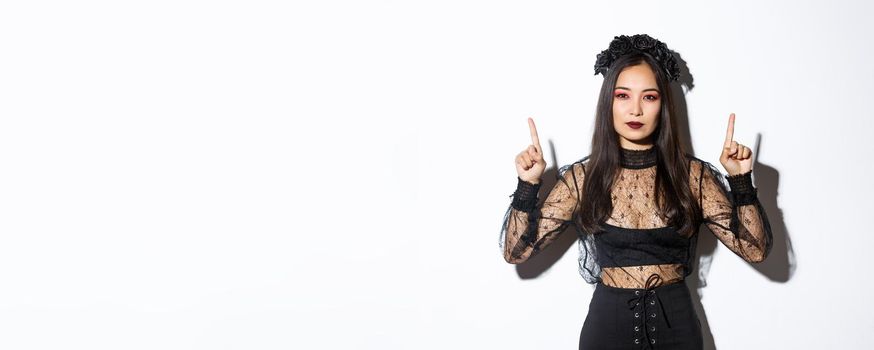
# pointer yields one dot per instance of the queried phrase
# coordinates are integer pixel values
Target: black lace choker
(637, 159)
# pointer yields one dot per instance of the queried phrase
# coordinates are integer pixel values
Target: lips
(634, 125)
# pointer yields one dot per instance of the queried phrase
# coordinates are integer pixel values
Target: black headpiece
(624, 44)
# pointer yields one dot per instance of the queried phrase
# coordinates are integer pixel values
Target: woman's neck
(638, 158)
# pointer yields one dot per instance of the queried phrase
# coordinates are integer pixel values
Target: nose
(636, 109)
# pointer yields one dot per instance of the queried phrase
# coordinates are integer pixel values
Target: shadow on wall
(779, 265)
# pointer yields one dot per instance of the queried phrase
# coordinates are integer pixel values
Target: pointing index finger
(534, 139)
(729, 134)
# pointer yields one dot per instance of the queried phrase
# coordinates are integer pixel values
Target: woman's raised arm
(528, 228)
(733, 213)
(736, 217)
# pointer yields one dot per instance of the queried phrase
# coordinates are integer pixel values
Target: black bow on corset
(652, 282)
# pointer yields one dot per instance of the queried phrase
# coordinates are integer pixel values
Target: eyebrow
(644, 90)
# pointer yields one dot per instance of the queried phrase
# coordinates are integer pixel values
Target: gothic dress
(637, 262)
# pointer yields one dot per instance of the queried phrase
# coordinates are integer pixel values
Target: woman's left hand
(736, 158)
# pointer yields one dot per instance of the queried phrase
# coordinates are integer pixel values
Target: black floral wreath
(624, 44)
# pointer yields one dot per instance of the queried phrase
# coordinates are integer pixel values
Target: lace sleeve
(527, 227)
(736, 217)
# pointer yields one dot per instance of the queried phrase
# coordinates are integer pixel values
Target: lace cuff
(742, 188)
(525, 197)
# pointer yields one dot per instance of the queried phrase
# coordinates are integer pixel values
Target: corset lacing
(641, 296)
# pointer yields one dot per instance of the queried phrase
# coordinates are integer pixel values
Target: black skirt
(662, 317)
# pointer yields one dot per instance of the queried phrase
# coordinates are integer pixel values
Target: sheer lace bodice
(636, 242)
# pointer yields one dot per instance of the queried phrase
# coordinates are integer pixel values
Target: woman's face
(636, 100)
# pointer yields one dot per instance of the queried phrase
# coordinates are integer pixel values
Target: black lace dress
(637, 262)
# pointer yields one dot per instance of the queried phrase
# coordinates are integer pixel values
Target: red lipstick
(634, 125)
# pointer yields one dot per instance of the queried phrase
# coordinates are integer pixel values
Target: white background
(326, 175)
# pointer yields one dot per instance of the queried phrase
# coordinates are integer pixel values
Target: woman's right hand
(529, 163)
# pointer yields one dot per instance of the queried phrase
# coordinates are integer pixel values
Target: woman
(636, 203)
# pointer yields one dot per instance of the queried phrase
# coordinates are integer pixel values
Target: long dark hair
(673, 195)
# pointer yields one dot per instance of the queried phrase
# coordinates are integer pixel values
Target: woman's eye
(651, 97)
(621, 95)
